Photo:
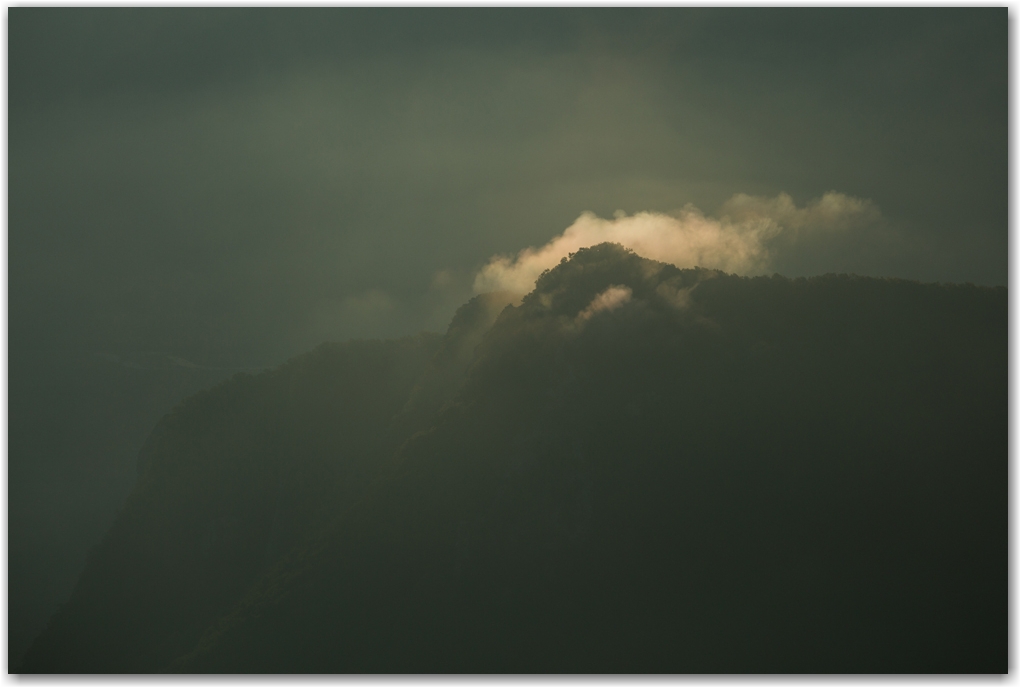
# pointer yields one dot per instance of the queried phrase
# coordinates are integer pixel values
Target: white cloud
(610, 299)
(737, 241)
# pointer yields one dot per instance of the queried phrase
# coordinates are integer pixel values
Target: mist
(233, 187)
(740, 241)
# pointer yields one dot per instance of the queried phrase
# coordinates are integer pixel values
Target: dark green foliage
(719, 474)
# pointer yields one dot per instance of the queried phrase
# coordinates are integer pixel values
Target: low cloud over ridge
(610, 299)
(737, 241)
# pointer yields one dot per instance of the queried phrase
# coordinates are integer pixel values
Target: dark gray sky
(227, 182)
(230, 187)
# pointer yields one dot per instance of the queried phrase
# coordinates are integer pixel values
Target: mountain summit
(637, 468)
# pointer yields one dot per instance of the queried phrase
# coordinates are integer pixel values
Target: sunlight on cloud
(738, 241)
(610, 299)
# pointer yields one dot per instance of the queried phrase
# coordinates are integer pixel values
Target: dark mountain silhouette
(637, 469)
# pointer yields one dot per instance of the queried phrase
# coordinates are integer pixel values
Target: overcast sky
(196, 191)
(230, 183)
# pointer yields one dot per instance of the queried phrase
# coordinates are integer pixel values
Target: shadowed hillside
(636, 469)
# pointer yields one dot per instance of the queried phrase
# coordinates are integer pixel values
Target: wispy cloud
(739, 240)
(610, 299)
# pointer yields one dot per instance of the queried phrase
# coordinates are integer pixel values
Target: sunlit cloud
(610, 299)
(740, 240)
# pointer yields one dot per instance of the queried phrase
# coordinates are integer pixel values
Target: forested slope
(636, 469)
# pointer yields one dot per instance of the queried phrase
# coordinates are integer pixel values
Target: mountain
(637, 468)
(76, 420)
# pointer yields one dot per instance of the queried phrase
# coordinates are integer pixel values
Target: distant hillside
(636, 469)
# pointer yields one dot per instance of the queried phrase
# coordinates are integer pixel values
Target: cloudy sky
(232, 182)
(225, 188)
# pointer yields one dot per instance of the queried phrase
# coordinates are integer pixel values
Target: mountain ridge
(637, 468)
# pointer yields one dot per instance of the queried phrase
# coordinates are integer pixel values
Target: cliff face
(636, 469)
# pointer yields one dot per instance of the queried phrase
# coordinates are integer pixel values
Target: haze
(194, 192)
